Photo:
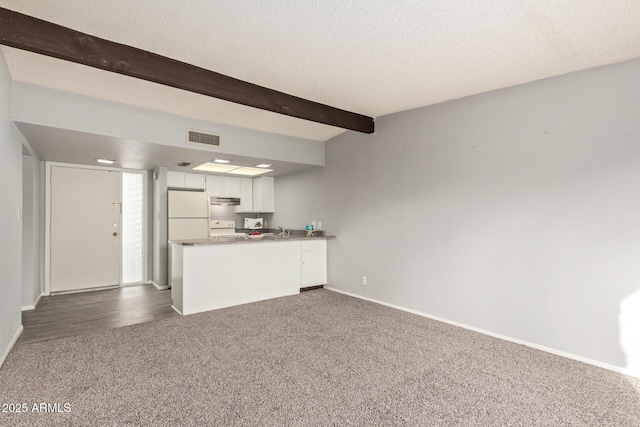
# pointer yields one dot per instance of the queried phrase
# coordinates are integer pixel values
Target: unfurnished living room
(320, 213)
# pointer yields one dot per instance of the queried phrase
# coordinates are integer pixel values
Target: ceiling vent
(194, 137)
(183, 164)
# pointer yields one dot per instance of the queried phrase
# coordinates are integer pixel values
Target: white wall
(10, 224)
(43, 106)
(515, 212)
(31, 287)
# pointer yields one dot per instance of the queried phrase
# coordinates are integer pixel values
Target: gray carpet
(317, 359)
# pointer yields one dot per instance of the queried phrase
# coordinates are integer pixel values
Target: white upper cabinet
(215, 185)
(246, 195)
(185, 180)
(263, 194)
(223, 186)
(175, 179)
(194, 180)
(256, 194)
(231, 186)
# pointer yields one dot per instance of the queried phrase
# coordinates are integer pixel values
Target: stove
(223, 229)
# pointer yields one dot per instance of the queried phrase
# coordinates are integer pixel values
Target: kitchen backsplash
(228, 213)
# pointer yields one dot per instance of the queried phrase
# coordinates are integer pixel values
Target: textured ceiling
(372, 57)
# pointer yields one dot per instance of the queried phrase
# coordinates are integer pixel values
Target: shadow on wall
(629, 320)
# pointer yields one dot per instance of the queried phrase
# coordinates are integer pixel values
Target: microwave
(253, 223)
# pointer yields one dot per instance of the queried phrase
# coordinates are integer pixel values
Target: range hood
(225, 201)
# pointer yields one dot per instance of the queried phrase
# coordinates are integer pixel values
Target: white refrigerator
(188, 215)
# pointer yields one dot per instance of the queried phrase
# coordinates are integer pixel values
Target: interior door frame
(47, 228)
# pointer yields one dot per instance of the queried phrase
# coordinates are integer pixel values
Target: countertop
(243, 239)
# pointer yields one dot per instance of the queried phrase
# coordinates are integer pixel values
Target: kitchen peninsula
(208, 274)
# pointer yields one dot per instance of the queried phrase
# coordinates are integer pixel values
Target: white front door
(85, 228)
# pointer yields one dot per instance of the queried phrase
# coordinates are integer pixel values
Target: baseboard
(155, 285)
(76, 291)
(499, 336)
(11, 344)
(33, 306)
(131, 285)
(177, 311)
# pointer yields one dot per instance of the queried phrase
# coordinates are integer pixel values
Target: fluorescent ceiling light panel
(224, 161)
(214, 167)
(248, 171)
(263, 165)
(106, 161)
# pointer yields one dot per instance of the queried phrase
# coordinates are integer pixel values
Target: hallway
(81, 313)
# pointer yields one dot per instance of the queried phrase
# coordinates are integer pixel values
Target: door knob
(115, 234)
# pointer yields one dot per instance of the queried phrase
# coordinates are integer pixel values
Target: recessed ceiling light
(248, 171)
(106, 161)
(216, 160)
(263, 165)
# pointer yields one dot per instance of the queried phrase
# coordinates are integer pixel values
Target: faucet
(284, 231)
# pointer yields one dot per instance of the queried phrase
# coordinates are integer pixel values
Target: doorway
(96, 236)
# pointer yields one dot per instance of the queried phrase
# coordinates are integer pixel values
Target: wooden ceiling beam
(35, 35)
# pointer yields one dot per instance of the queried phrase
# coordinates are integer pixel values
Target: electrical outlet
(364, 280)
(319, 225)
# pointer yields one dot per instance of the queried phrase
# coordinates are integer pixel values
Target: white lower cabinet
(313, 258)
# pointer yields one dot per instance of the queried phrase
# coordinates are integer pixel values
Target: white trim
(177, 311)
(78, 291)
(155, 285)
(47, 228)
(130, 285)
(11, 344)
(145, 224)
(32, 306)
(561, 353)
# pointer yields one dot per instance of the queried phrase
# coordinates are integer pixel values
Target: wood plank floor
(75, 314)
